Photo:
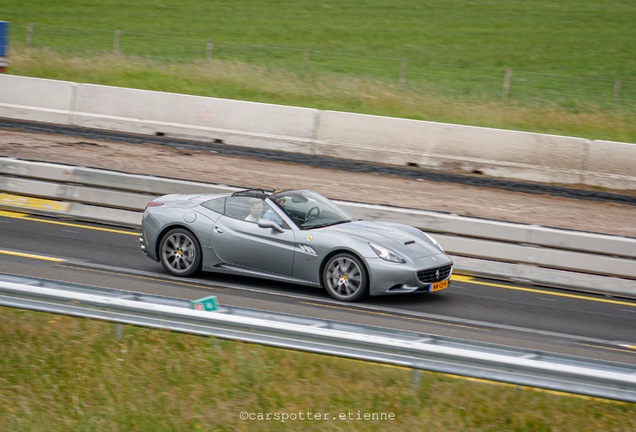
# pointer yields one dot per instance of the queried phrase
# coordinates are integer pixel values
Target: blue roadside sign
(4, 45)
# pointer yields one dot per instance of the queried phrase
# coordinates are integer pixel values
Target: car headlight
(386, 254)
(435, 242)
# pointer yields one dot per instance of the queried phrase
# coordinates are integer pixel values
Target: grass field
(59, 373)
(556, 36)
(573, 72)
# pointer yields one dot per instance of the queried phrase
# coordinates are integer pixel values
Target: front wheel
(345, 278)
(180, 252)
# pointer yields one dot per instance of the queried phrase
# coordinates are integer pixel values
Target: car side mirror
(267, 223)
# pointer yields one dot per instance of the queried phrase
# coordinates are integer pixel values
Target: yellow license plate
(439, 285)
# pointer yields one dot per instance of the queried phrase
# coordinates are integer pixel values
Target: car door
(239, 241)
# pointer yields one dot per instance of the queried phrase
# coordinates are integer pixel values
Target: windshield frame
(296, 205)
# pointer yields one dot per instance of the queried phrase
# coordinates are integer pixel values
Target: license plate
(439, 285)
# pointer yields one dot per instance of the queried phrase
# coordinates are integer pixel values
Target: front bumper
(388, 278)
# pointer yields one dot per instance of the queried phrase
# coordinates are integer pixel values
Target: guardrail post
(403, 69)
(417, 378)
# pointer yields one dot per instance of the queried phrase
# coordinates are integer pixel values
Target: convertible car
(296, 236)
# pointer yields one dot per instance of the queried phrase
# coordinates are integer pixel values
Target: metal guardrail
(503, 250)
(418, 351)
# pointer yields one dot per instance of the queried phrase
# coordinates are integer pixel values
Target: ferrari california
(296, 236)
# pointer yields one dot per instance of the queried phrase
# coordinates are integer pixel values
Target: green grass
(565, 36)
(567, 57)
(59, 373)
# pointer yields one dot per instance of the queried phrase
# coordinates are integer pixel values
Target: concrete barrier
(36, 99)
(440, 146)
(210, 119)
(493, 152)
(610, 164)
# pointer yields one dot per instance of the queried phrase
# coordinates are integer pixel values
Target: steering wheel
(316, 212)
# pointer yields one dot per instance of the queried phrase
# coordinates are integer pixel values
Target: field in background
(63, 373)
(554, 67)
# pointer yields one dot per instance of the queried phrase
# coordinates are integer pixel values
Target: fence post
(403, 69)
(306, 62)
(209, 47)
(506, 85)
(117, 48)
(30, 30)
(617, 90)
(417, 378)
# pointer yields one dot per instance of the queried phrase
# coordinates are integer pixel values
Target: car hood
(393, 236)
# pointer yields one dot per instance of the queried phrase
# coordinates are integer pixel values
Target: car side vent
(307, 249)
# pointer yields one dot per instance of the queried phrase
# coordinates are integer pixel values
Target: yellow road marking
(24, 216)
(619, 348)
(32, 256)
(462, 278)
(12, 214)
(74, 225)
(538, 291)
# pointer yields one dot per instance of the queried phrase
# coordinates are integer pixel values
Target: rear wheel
(345, 278)
(180, 252)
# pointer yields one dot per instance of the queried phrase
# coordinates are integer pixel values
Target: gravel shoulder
(195, 165)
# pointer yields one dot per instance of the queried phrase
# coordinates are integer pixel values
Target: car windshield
(310, 209)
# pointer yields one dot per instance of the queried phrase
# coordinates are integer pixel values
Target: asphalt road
(483, 310)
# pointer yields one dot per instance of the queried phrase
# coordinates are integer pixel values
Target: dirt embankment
(151, 159)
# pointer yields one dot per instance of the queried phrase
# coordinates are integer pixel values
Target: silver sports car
(296, 236)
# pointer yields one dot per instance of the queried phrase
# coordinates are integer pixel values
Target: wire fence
(425, 77)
